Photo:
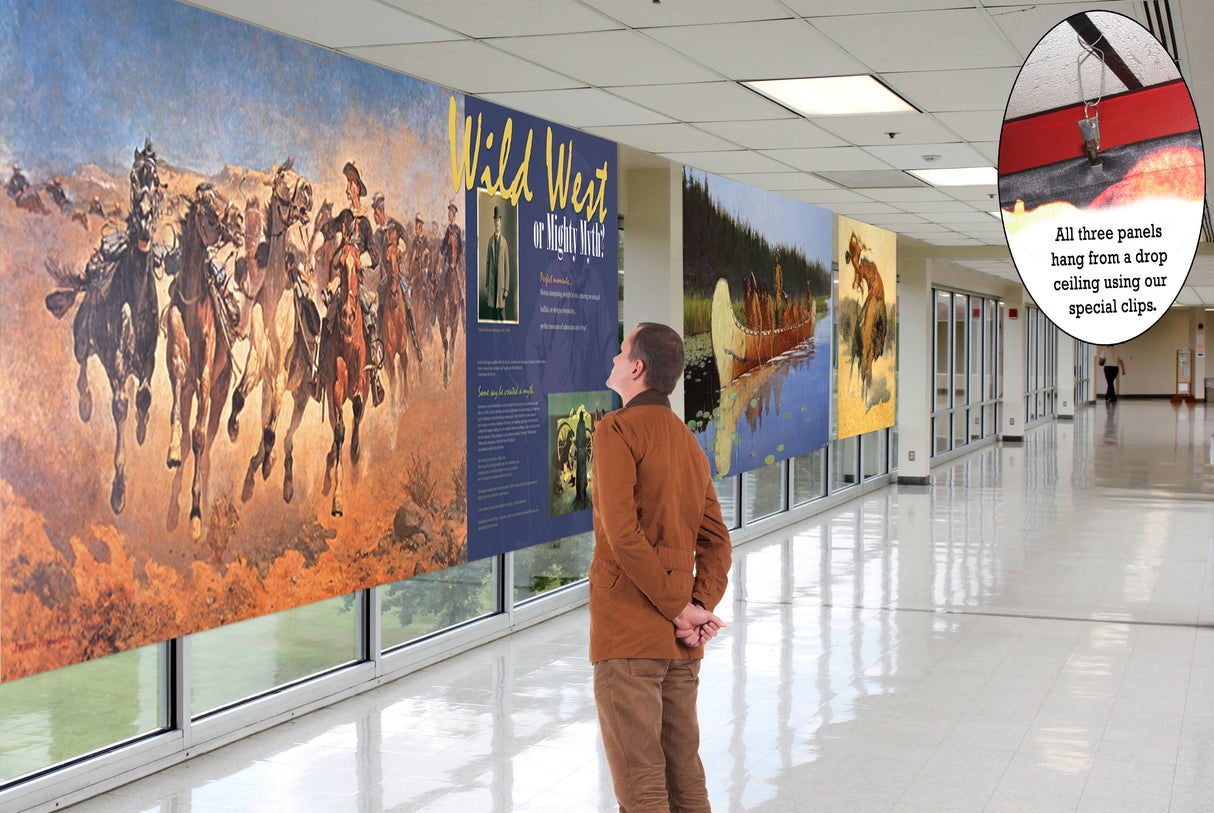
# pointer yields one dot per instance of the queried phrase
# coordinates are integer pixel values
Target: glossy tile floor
(1032, 632)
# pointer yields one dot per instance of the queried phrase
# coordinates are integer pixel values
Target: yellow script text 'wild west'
(464, 167)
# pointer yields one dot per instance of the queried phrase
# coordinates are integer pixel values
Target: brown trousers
(647, 714)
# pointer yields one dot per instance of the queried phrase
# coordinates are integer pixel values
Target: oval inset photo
(1101, 177)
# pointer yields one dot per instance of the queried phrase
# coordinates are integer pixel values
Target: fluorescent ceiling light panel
(961, 176)
(833, 95)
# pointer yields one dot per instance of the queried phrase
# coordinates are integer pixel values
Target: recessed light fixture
(832, 95)
(959, 176)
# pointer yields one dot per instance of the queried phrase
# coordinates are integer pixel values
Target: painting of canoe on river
(757, 322)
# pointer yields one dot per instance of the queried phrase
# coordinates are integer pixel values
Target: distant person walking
(1110, 358)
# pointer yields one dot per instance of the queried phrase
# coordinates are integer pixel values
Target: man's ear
(638, 369)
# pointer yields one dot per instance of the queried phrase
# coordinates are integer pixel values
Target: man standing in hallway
(1113, 363)
(661, 563)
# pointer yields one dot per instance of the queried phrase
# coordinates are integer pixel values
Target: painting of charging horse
(200, 327)
(344, 369)
(396, 323)
(118, 316)
(279, 359)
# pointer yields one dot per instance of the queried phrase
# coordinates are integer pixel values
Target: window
(764, 491)
(845, 459)
(55, 716)
(1041, 366)
(249, 658)
(808, 477)
(547, 566)
(966, 370)
(417, 607)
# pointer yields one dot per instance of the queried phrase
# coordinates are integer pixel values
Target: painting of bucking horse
(195, 426)
(868, 288)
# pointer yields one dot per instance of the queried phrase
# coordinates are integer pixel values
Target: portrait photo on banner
(497, 219)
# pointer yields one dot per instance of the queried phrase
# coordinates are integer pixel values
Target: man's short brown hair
(660, 348)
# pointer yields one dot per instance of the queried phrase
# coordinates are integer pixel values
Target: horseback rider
(419, 265)
(452, 247)
(59, 195)
(352, 226)
(388, 233)
(18, 184)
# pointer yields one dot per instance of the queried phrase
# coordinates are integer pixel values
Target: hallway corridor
(1034, 631)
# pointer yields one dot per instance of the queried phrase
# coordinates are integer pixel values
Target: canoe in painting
(738, 348)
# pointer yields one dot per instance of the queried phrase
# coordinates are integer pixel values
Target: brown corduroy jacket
(659, 540)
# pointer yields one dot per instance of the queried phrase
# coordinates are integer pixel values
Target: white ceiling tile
(937, 208)
(829, 198)
(827, 158)
(790, 133)
(607, 58)
(891, 219)
(871, 209)
(834, 8)
(982, 125)
(639, 14)
(333, 25)
(909, 128)
(525, 17)
(950, 239)
(922, 40)
(780, 181)
(760, 50)
(990, 149)
(910, 195)
(1026, 23)
(465, 65)
(662, 138)
(925, 228)
(972, 218)
(578, 107)
(727, 163)
(703, 101)
(1050, 78)
(959, 90)
(913, 156)
(978, 195)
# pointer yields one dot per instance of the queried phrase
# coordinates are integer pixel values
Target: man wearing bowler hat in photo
(497, 272)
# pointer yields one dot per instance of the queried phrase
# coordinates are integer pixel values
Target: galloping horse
(343, 368)
(450, 307)
(118, 318)
(279, 359)
(869, 331)
(396, 324)
(199, 347)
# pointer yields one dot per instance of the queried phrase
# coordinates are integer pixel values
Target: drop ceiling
(665, 80)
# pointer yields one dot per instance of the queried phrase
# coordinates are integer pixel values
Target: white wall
(1150, 359)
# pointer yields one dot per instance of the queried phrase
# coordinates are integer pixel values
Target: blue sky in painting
(87, 82)
(781, 219)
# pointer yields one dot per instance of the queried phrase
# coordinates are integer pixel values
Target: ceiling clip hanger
(1089, 125)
